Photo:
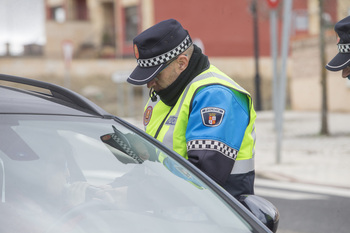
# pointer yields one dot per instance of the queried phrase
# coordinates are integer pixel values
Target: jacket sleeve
(216, 126)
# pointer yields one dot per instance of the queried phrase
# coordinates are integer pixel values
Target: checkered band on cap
(213, 145)
(344, 48)
(161, 59)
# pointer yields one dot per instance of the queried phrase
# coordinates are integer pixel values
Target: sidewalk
(306, 156)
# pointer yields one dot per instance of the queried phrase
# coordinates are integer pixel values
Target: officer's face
(165, 78)
(346, 72)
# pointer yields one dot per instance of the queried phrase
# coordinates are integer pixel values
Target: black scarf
(197, 64)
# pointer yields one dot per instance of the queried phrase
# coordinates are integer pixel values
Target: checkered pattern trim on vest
(161, 59)
(344, 48)
(212, 145)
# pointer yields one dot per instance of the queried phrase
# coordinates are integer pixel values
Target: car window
(130, 185)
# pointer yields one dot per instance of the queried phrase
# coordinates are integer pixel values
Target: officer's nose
(346, 72)
(151, 83)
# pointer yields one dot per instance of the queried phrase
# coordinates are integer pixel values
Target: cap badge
(136, 51)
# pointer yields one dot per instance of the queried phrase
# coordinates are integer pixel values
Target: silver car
(66, 165)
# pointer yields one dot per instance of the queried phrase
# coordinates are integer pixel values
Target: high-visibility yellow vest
(168, 124)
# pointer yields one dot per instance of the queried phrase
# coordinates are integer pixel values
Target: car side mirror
(264, 210)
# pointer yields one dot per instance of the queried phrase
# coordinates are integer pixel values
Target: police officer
(194, 108)
(342, 60)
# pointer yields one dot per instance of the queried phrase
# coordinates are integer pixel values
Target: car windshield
(129, 184)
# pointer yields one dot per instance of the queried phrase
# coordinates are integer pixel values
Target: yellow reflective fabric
(247, 150)
(158, 113)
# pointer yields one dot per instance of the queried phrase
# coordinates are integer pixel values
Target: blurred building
(105, 28)
(99, 34)
(33, 50)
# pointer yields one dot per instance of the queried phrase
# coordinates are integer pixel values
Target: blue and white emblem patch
(171, 121)
(212, 116)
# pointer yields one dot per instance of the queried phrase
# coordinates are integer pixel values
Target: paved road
(306, 208)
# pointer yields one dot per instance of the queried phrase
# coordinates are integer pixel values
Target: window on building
(70, 10)
(131, 23)
(77, 10)
(108, 37)
(57, 14)
(81, 11)
(301, 20)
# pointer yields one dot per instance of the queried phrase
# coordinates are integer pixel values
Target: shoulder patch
(212, 116)
(147, 115)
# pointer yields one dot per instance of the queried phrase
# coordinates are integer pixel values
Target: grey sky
(21, 22)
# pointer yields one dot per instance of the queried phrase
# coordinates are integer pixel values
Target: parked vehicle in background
(66, 165)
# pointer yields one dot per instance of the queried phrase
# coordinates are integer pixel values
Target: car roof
(37, 97)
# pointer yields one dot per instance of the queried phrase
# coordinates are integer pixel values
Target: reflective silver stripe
(230, 81)
(254, 138)
(213, 74)
(336, 67)
(243, 166)
(168, 139)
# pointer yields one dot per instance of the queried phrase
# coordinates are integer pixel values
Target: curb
(284, 178)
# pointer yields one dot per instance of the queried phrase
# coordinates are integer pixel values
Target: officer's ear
(182, 62)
